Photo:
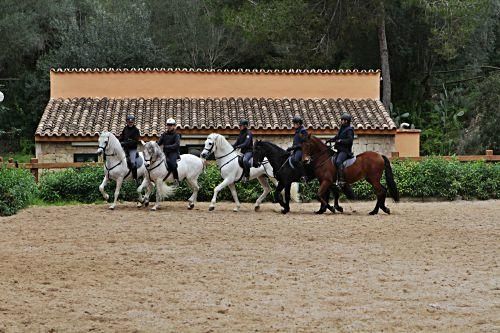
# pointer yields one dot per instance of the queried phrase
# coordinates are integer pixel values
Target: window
(85, 157)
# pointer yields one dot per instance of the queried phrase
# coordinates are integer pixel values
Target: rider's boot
(340, 177)
(134, 175)
(175, 173)
(302, 170)
(246, 174)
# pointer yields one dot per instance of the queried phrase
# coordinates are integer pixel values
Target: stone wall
(58, 152)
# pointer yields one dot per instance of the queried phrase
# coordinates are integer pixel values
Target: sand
(428, 266)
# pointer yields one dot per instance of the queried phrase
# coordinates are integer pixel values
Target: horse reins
(318, 153)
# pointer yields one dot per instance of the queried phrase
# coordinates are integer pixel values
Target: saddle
(138, 160)
(240, 161)
(290, 162)
(347, 163)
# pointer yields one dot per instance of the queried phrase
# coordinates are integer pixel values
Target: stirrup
(340, 184)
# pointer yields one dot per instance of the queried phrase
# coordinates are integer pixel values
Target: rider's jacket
(244, 141)
(171, 142)
(129, 137)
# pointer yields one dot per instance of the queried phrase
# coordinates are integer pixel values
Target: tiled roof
(200, 70)
(90, 116)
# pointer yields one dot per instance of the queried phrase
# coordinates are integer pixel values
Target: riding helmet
(243, 122)
(297, 120)
(170, 121)
(130, 117)
(346, 116)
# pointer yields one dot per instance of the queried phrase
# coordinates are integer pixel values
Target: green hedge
(431, 177)
(434, 177)
(17, 190)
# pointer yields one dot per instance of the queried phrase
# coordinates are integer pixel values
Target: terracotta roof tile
(90, 116)
(200, 70)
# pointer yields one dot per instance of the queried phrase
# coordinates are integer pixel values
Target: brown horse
(368, 165)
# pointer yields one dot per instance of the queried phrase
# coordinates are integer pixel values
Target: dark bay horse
(368, 166)
(283, 172)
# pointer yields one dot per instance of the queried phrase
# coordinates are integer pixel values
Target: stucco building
(84, 102)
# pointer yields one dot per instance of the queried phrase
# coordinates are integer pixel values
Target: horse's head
(151, 152)
(210, 145)
(103, 143)
(308, 149)
(258, 153)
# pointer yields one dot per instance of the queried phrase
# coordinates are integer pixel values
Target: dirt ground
(428, 266)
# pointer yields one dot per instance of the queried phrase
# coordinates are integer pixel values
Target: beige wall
(184, 84)
(407, 143)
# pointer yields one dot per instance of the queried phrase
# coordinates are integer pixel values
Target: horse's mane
(273, 146)
(157, 150)
(318, 141)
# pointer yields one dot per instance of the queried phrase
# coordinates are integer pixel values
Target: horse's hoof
(387, 210)
(373, 212)
(211, 208)
(256, 208)
(191, 206)
(236, 209)
(319, 212)
(111, 207)
(139, 205)
(146, 204)
(285, 211)
(340, 209)
(153, 209)
(331, 209)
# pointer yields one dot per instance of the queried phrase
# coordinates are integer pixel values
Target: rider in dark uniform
(129, 138)
(343, 143)
(296, 149)
(245, 144)
(171, 141)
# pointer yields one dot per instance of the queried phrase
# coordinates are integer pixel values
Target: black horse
(283, 171)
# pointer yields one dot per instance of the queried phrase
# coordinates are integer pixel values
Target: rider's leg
(133, 164)
(246, 164)
(297, 159)
(172, 166)
(341, 157)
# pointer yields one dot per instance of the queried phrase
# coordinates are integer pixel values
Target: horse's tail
(165, 190)
(294, 192)
(389, 178)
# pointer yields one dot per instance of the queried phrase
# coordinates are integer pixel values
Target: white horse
(115, 167)
(230, 170)
(189, 167)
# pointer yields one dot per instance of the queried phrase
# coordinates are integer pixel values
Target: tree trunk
(384, 59)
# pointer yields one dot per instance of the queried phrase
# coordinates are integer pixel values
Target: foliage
(482, 132)
(432, 177)
(17, 190)
(443, 54)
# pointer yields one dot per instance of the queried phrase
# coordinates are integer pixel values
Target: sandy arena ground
(428, 266)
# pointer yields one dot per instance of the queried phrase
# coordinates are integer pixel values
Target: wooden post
(395, 154)
(34, 171)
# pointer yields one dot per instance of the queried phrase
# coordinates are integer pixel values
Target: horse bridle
(106, 147)
(312, 156)
(156, 166)
(218, 158)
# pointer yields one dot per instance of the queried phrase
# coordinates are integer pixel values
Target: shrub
(79, 185)
(17, 190)
(431, 177)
